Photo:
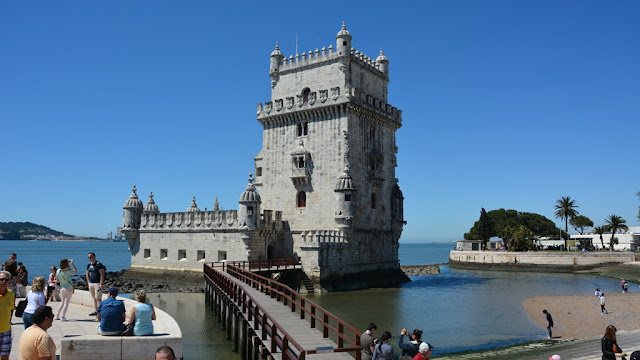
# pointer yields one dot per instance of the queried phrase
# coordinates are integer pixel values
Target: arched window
(305, 95)
(305, 128)
(373, 200)
(302, 199)
(299, 129)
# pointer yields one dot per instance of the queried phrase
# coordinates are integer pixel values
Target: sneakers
(93, 314)
(57, 317)
(65, 319)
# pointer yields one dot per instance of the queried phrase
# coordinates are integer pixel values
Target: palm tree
(615, 223)
(566, 210)
(600, 230)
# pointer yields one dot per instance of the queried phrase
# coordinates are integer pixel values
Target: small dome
(193, 207)
(276, 52)
(250, 194)
(150, 206)
(381, 57)
(345, 182)
(343, 32)
(133, 201)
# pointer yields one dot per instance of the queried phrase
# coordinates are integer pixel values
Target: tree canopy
(15, 230)
(503, 223)
(580, 223)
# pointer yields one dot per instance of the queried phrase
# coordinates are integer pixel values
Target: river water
(458, 310)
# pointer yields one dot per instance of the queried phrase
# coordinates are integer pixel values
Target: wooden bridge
(268, 320)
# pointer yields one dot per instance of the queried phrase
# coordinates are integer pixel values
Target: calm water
(458, 310)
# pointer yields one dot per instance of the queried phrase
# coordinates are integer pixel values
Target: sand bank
(579, 316)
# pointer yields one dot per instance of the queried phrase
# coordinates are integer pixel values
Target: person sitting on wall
(111, 314)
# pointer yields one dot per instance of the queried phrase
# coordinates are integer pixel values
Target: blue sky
(506, 104)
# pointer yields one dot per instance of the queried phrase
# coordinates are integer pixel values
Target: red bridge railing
(346, 336)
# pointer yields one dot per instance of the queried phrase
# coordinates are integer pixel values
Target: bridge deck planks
(299, 329)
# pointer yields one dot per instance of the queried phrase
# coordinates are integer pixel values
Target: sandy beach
(579, 316)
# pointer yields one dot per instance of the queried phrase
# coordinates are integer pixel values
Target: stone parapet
(533, 259)
(205, 220)
(166, 333)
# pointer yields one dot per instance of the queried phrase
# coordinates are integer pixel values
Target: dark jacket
(607, 349)
(409, 348)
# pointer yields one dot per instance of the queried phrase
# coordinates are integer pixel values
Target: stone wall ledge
(166, 333)
(536, 261)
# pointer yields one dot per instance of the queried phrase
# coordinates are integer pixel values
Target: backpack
(635, 355)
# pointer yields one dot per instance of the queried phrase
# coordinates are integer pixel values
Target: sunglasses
(4, 279)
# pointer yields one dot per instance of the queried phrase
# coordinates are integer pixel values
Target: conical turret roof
(250, 194)
(150, 206)
(133, 201)
(193, 207)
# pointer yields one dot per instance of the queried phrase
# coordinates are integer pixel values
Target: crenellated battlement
(324, 237)
(206, 220)
(326, 54)
(321, 98)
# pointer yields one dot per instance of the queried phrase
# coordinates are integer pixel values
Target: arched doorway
(271, 252)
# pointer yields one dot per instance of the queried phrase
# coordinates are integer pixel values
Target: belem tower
(324, 189)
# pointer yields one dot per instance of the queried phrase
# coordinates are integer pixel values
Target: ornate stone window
(301, 167)
(301, 199)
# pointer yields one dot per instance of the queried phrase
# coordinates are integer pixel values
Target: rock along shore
(128, 281)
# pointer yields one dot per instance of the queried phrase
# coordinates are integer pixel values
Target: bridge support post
(223, 318)
(256, 346)
(243, 340)
(229, 319)
(236, 331)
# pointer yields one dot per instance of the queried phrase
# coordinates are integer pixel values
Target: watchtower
(328, 163)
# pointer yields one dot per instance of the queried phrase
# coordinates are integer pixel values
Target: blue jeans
(27, 319)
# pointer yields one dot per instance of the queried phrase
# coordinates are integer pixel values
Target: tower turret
(131, 219)
(249, 206)
(150, 207)
(343, 41)
(383, 63)
(345, 200)
(276, 59)
(194, 206)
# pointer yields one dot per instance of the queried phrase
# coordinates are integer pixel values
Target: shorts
(5, 343)
(94, 290)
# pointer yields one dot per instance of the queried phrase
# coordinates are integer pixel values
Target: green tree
(485, 228)
(614, 223)
(600, 231)
(501, 219)
(519, 238)
(581, 222)
(566, 210)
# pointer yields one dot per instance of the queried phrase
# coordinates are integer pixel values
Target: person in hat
(111, 314)
(424, 352)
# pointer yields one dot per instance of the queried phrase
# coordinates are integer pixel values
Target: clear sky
(507, 104)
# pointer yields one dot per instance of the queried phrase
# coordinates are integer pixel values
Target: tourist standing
(383, 350)
(610, 348)
(411, 348)
(625, 287)
(66, 286)
(424, 352)
(111, 314)
(7, 305)
(35, 299)
(22, 280)
(141, 315)
(95, 280)
(549, 322)
(165, 353)
(622, 284)
(11, 266)
(366, 341)
(52, 287)
(598, 292)
(602, 308)
(35, 343)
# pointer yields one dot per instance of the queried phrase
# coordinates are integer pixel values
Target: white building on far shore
(628, 240)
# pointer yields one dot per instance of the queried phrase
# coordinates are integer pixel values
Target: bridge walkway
(285, 324)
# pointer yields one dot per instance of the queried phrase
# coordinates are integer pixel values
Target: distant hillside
(18, 230)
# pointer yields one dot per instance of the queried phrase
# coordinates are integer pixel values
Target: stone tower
(328, 163)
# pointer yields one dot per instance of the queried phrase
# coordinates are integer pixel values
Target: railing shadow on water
(344, 335)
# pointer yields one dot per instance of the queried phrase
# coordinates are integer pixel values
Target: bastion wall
(564, 259)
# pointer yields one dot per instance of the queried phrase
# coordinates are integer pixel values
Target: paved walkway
(80, 323)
